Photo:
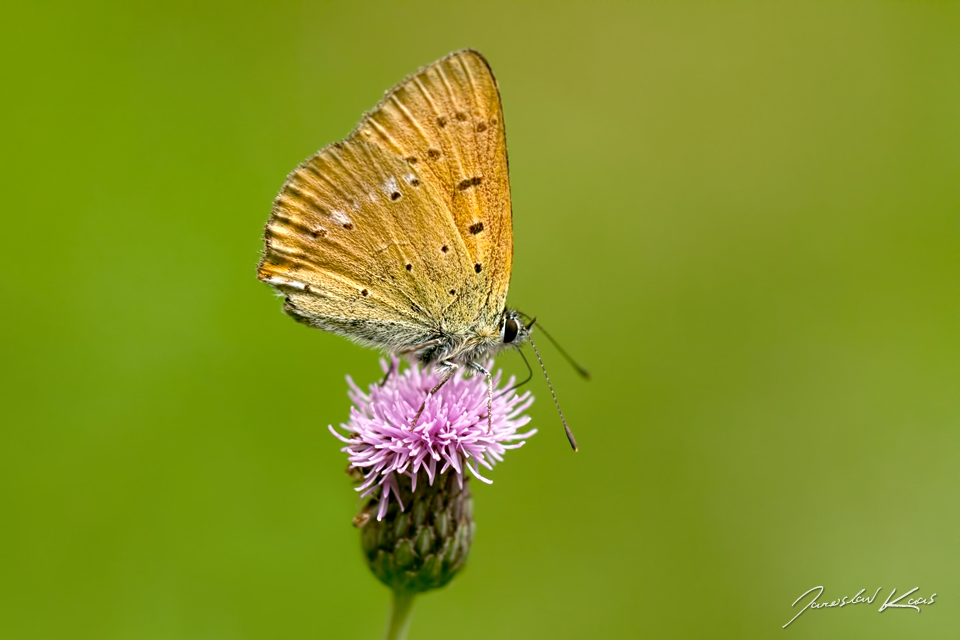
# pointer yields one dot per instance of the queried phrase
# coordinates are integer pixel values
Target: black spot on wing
(469, 182)
(477, 268)
(476, 228)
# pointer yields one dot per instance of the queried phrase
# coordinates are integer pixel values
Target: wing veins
(386, 136)
(409, 116)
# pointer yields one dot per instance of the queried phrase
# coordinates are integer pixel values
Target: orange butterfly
(400, 237)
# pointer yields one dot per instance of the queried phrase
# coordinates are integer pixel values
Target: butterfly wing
(402, 232)
(447, 121)
(356, 243)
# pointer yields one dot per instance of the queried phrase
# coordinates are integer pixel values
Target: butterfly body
(400, 236)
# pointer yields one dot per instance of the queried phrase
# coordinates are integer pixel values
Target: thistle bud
(425, 546)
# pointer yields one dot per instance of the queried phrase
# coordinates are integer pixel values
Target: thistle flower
(415, 475)
(453, 431)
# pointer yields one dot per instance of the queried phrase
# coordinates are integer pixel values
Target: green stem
(399, 616)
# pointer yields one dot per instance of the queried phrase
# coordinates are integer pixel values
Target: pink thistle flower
(452, 433)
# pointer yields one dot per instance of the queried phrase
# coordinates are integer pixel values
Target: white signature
(912, 603)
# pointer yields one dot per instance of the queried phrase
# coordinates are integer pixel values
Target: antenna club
(566, 428)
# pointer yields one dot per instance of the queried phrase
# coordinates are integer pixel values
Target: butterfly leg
(486, 374)
(393, 369)
(403, 352)
(448, 370)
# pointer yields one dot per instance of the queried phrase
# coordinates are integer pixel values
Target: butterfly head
(512, 330)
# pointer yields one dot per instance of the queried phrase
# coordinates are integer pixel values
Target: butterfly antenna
(573, 363)
(573, 441)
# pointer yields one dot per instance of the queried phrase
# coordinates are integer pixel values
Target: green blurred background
(743, 218)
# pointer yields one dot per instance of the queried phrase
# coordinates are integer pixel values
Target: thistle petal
(453, 428)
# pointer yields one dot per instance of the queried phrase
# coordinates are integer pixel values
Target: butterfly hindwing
(338, 246)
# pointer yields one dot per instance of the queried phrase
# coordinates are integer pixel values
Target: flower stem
(399, 615)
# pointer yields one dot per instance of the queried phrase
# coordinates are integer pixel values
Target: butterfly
(400, 237)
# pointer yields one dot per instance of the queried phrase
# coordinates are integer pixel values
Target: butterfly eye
(510, 330)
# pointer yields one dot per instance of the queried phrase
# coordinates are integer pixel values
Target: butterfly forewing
(402, 231)
(446, 120)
